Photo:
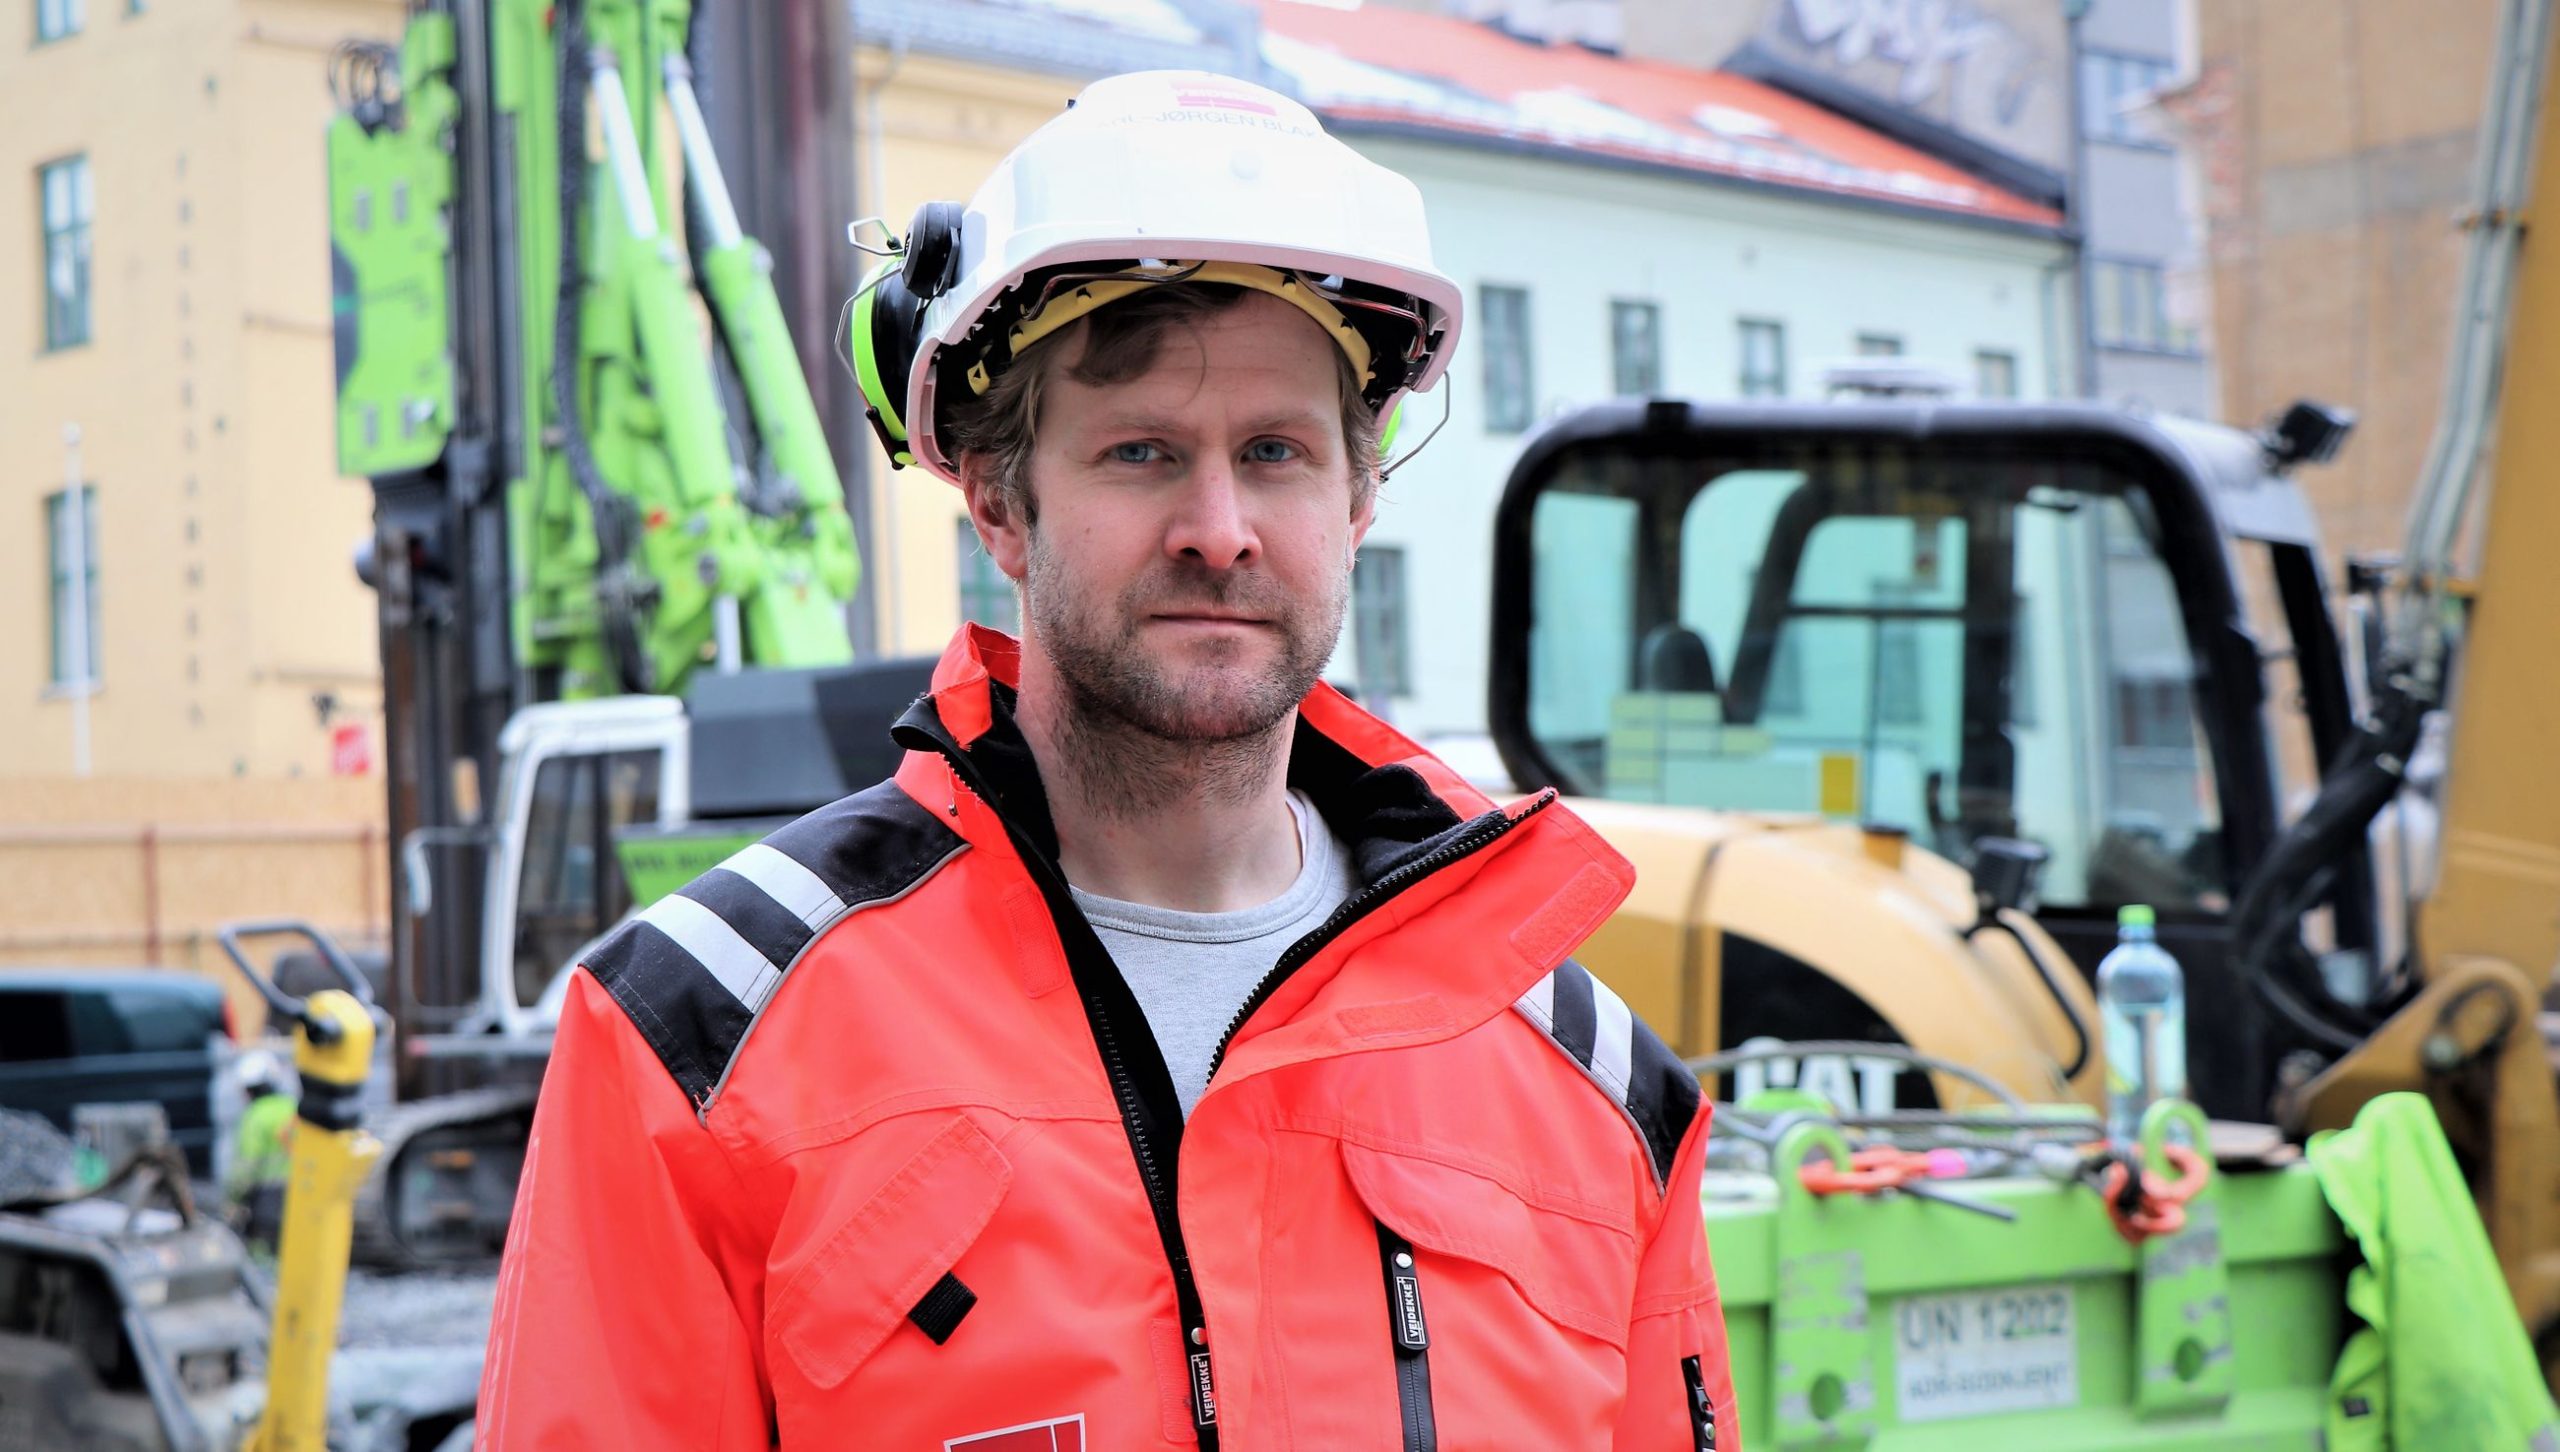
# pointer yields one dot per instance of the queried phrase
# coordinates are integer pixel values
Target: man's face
(1191, 560)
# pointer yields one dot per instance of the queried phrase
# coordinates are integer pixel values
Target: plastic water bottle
(2142, 999)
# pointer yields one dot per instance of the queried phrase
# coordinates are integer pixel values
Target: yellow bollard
(332, 1154)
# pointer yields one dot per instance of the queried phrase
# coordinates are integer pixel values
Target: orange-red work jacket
(860, 1141)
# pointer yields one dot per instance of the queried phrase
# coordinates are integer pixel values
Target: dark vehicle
(74, 1036)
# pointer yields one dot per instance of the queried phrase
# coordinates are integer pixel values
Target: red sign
(350, 749)
(1063, 1435)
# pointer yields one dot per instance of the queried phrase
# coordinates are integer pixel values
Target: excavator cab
(1965, 626)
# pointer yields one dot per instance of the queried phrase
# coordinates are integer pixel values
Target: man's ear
(1363, 516)
(1006, 539)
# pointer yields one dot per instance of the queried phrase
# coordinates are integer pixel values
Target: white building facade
(1586, 281)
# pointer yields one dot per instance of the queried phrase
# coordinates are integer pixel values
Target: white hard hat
(259, 1068)
(1155, 176)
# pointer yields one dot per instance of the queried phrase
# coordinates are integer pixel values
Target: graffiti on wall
(1984, 66)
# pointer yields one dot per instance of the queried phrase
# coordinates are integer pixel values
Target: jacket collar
(1392, 803)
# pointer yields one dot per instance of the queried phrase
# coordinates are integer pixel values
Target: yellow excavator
(1957, 681)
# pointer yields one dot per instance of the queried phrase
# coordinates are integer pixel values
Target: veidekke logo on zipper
(1204, 1398)
(1410, 1333)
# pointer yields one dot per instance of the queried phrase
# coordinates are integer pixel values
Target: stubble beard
(1140, 736)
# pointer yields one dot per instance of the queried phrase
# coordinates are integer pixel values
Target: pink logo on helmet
(1225, 101)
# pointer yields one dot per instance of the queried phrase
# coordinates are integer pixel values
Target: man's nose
(1211, 525)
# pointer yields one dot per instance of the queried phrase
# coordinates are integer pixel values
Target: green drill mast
(648, 532)
(596, 464)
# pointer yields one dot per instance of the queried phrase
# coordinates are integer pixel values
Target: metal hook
(897, 246)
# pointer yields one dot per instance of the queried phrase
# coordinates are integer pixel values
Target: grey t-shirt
(1191, 971)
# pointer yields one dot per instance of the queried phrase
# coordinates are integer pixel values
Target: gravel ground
(420, 1309)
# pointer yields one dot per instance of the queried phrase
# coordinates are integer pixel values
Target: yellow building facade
(165, 291)
(164, 288)
(932, 128)
(231, 637)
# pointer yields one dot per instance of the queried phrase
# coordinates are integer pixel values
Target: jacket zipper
(1133, 1116)
(1412, 1341)
(1359, 905)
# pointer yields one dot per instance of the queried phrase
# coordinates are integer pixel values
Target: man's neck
(1187, 826)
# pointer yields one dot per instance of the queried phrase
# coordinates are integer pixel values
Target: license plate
(1979, 1352)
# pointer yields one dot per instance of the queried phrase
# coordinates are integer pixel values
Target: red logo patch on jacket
(1066, 1434)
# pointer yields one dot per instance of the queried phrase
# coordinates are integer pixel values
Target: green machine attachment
(2001, 1306)
(546, 308)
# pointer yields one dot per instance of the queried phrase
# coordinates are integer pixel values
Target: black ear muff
(888, 321)
(933, 249)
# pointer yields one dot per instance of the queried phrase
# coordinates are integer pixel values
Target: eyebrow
(1137, 423)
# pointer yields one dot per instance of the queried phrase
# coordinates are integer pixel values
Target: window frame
(75, 231)
(57, 591)
(1983, 358)
(69, 17)
(2141, 312)
(1387, 569)
(2103, 119)
(1867, 344)
(1649, 311)
(1747, 382)
(1503, 413)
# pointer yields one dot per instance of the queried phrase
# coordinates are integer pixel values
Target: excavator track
(442, 1191)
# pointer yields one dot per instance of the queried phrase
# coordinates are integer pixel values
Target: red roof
(1441, 73)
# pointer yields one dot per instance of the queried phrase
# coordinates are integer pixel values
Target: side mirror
(2005, 870)
(2310, 432)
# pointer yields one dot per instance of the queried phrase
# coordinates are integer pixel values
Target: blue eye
(1261, 451)
(1135, 452)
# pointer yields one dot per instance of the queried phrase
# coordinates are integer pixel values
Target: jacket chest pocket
(1505, 1322)
(893, 1263)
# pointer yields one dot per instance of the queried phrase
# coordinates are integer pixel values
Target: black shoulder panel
(695, 968)
(1590, 1025)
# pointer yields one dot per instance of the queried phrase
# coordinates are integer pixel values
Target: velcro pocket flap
(859, 1287)
(1576, 1270)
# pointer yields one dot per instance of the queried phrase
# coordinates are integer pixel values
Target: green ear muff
(1387, 435)
(888, 320)
(885, 324)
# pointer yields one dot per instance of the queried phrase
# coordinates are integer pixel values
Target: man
(1171, 1054)
(262, 1150)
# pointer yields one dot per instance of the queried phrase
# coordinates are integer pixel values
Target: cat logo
(1853, 1083)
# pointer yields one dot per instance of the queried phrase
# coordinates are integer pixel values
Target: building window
(2129, 308)
(1879, 345)
(2113, 89)
(1635, 348)
(61, 549)
(986, 595)
(2155, 713)
(56, 19)
(1381, 638)
(1764, 358)
(64, 190)
(1508, 386)
(1995, 374)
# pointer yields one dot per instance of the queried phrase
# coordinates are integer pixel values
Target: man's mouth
(1207, 617)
